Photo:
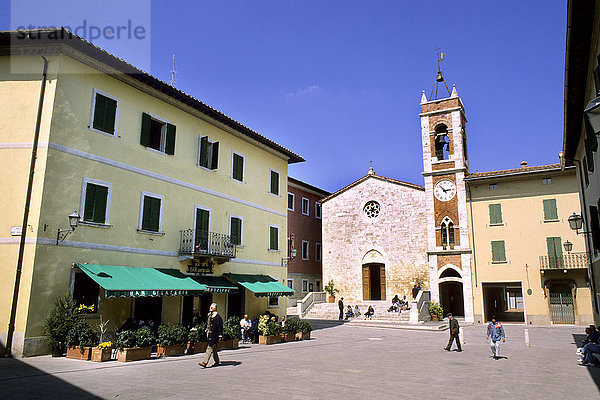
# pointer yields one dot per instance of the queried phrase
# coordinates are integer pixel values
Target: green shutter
(273, 238)
(550, 210)
(236, 231)
(591, 135)
(215, 156)
(274, 182)
(202, 220)
(238, 167)
(110, 112)
(146, 124)
(99, 112)
(170, 143)
(90, 200)
(498, 251)
(151, 214)
(495, 214)
(100, 204)
(204, 151)
(555, 255)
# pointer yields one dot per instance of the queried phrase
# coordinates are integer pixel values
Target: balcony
(206, 245)
(566, 261)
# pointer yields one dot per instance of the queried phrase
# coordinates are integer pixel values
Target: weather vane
(440, 56)
(439, 77)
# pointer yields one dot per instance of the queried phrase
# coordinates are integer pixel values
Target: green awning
(142, 282)
(216, 284)
(261, 285)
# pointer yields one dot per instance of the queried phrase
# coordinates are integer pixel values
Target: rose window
(372, 209)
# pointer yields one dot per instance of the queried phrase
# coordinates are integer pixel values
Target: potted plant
(435, 310)
(331, 290)
(135, 345)
(197, 339)
(59, 323)
(232, 334)
(268, 331)
(102, 352)
(288, 332)
(304, 330)
(171, 340)
(80, 340)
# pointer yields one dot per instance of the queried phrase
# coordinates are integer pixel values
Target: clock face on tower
(444, 190)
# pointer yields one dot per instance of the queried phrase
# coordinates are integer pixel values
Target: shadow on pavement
(578, 338)
(318, 324)
(20, 380)
(228, 363)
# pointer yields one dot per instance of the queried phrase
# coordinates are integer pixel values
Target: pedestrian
(341, 306)
(214, 330)
(454, 331)
(415, 291)
(495, 332)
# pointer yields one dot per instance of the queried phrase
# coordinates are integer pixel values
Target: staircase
(332, 311)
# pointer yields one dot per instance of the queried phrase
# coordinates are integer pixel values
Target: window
(550, 211)
(585, 172)
(208, 153)
(235, 230)
(273, 238)
(442, 147)
(95, 201)
(305, 249)
(495, 214)
(546, 181)
(493, 186)
(447, 228)
(273, 302)
(237, 167)
(305, 208)
(318, 210)
(317, 285)
(157, 134)
(290, 283)
(151, 212)
(85, 290)
(105, 113)
(274, 183)
(498, 251)
(291, 201)
(317, 251)
(304, 285)
(371, 209)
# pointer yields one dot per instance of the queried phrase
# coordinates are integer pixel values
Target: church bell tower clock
(445, 164)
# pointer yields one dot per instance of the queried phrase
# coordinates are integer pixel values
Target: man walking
(341, 306)
(454, 331)
(214, 330)
(495, 331)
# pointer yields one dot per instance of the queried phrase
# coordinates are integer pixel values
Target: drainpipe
(472, 232)
(36, 136)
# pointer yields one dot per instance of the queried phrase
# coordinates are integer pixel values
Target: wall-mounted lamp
(576, 223)
(73, 221)
(568, 246)
(592, 117)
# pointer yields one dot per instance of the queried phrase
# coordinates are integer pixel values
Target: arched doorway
(373, 275)
(451, 292)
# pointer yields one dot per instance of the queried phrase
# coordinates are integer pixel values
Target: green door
(555, 255)
(201, 240)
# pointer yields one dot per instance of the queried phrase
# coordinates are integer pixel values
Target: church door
(374, 286)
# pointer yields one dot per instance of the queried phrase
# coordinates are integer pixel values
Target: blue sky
(339, 82)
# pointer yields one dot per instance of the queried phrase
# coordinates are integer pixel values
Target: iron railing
(203, 243)
(566, 261)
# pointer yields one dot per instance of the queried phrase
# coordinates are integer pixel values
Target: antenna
(173, 71)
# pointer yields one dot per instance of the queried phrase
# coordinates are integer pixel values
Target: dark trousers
(453, 336)
(341, 313)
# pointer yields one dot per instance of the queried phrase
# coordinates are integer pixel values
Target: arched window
(442, 147)
(447, 233)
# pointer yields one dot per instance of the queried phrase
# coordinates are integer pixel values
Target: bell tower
(445, 164)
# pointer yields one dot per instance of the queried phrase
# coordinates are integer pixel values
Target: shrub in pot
(135, 345)
(289, 330)
(331, 290)
(171, 340)
(268, 330)
(436, 310)
(59, 324)
(197, 339)
(80, 340)
(304, 330)
(102, 352)
(232, 334)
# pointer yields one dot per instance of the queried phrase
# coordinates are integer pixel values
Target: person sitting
(282, 322)
(245, 325)
(356, 311)
(349, 312)
(588, 350)
(369, 313)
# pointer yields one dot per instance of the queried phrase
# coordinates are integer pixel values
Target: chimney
(523, 164)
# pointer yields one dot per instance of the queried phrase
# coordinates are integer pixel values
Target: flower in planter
(105, 345)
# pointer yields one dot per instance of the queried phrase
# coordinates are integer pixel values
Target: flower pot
(288, 337)
(435, 317)
(272, 339)
(79, 354)
(225, 344)
(134, 354)
(303, 336)
(196, 347)
(101, 355)
(331, 299)
(170, 350)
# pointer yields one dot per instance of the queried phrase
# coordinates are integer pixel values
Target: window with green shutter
(95, 203)
(555, 255)
(274, 186)
(157, 134)
(550, 210)
(235, 231)
(495, 214)
(237, 172)
(104, 113)
(208, 153)
(273, 238)
(151, 214)
(498, 251)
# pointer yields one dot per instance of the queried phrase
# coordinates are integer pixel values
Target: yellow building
(523, 267)
(159, 180)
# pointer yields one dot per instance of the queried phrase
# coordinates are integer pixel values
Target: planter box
(196, 347)
(76, 353)
(134, 354)
(170, 350)
(101, 355)
(331, 299)
(288, 337)
(269, 339)
(235, 344)
(225, 344)
(435, 318)
(303, 336)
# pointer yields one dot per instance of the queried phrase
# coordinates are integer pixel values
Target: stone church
(380, 234)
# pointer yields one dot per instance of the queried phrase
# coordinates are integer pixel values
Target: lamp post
(73, 221)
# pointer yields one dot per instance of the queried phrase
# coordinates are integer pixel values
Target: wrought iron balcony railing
(203, 243)
(566, 261)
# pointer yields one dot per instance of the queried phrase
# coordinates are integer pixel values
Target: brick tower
(445, 164)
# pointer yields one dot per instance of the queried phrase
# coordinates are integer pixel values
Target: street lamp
(592, 117)
(576, 222)
(73, 221)
(568, 246)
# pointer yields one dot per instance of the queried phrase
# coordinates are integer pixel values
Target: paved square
(341, 362)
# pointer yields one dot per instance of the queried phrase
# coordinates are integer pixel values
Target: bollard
(527, 338)
(461, 335)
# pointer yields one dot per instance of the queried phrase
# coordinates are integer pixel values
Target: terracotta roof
(54, 37)
(514, 171)
(298, 182)
(364, 178)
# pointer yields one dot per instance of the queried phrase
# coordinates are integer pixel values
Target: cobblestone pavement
(340, 362)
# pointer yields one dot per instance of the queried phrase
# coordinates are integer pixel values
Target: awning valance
(261, 285)
(122, 281)
(216, 284)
